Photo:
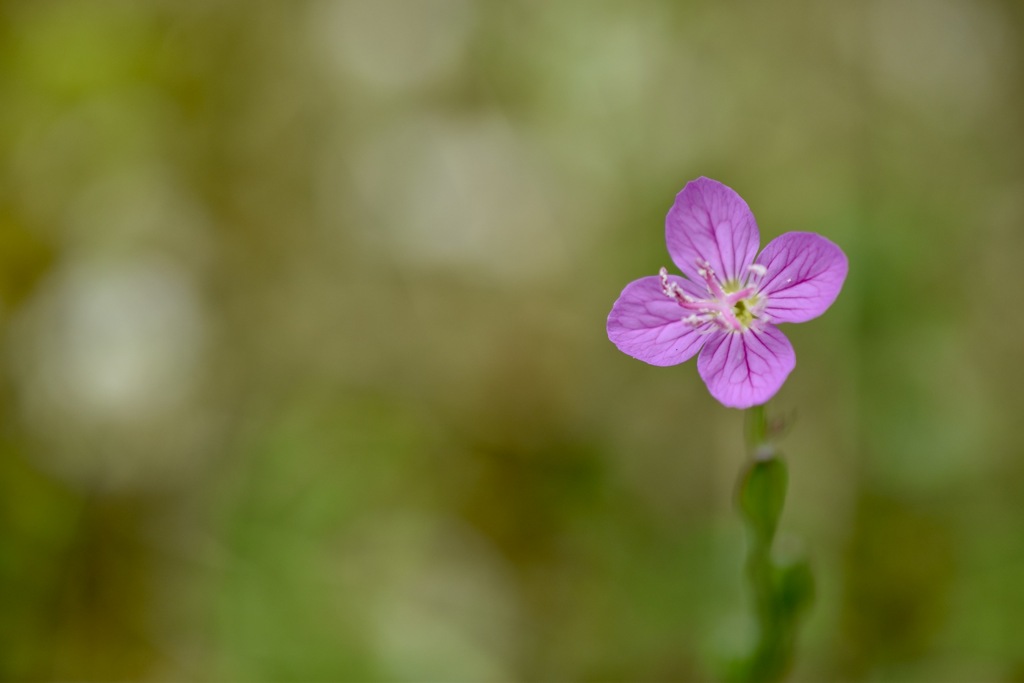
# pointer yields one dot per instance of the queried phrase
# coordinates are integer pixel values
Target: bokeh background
(303, 369)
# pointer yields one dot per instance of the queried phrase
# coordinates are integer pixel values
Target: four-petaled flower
(729, 303)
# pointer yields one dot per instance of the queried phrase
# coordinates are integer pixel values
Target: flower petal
(646, 324)
(803, 275)
(710, 222)
(744, 369)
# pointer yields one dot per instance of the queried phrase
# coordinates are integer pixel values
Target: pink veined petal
(744, 369)
(803, 275)
(646, 324)
(710, 222)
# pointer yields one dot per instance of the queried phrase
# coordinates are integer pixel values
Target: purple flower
(728, 304)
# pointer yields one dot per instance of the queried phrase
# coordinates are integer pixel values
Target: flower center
(731, 306)
(743, 312)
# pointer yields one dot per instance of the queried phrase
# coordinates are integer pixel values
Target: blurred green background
(304, 370)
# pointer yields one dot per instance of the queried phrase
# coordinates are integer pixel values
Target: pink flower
(728, 304)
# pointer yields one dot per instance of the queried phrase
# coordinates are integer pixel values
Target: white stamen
(666, 285)
(672, 289)
(757, 269)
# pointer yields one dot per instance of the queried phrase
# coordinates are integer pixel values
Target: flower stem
(781, 591)
(757, 429)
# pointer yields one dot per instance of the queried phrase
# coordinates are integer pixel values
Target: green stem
(780, 592)
(757, 429)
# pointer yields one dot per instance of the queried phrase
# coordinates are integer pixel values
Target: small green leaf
(762, 492)
(795, 587)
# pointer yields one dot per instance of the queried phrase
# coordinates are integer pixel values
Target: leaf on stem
(761, 495)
